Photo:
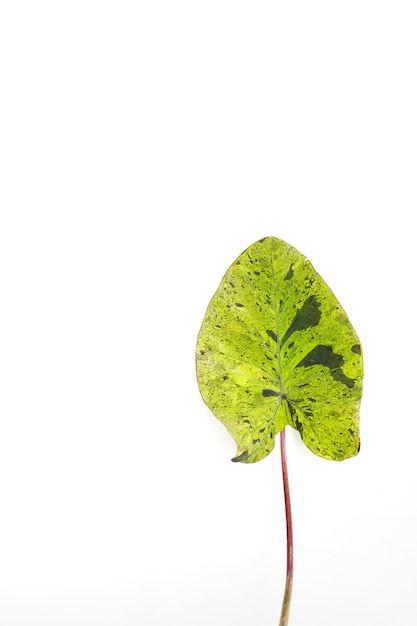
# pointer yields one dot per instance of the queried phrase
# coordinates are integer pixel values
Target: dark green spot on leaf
(289, 274)
(269, 392)
(324, 355)
(272, 335)
(306, 317)
(241, 458)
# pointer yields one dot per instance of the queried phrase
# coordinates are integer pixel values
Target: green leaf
(276, 348)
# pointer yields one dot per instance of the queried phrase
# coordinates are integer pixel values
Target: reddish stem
(290, 550)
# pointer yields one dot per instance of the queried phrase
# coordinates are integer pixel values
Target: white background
(143, 146)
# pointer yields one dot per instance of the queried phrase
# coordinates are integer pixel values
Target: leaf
(276, 348)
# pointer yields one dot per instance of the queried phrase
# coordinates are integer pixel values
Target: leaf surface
(276, 348)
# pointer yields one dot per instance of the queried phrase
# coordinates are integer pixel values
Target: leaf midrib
(277, 326)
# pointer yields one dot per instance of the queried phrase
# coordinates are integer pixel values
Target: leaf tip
(265, 238)
(241, 458)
